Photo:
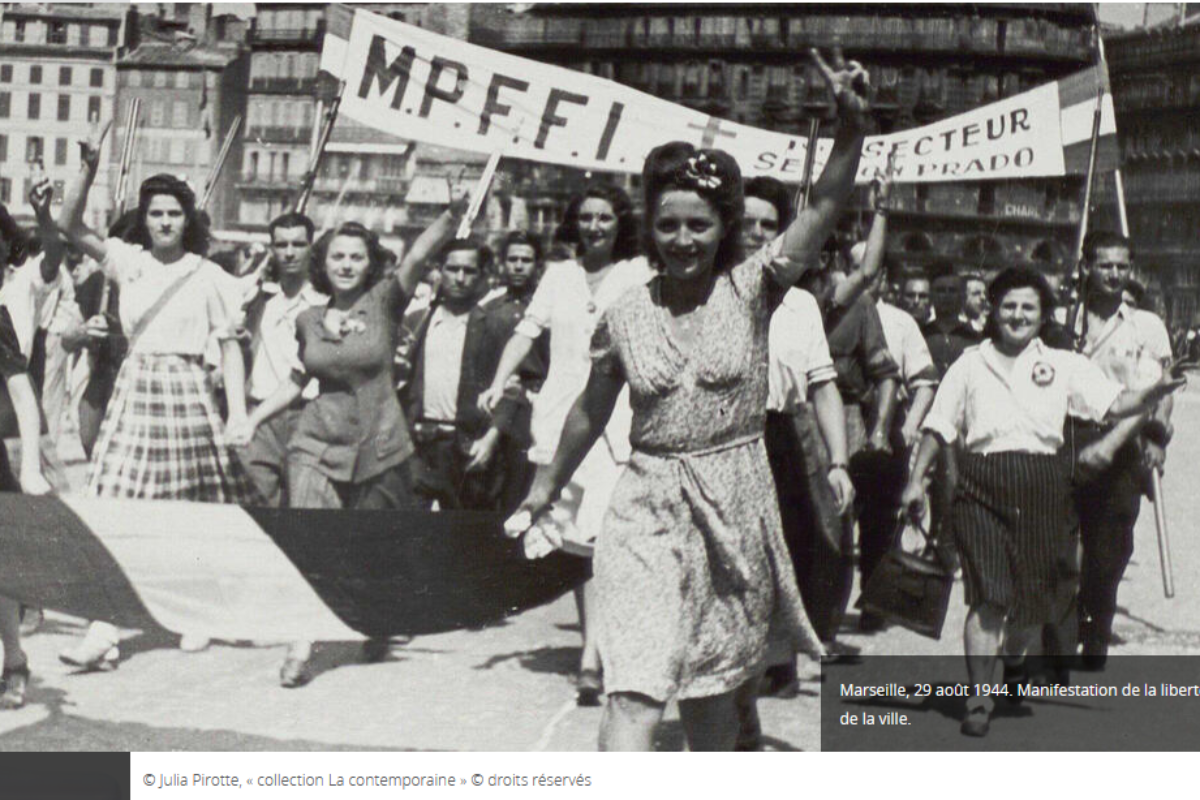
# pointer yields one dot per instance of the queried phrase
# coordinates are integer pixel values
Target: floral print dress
(692, 573)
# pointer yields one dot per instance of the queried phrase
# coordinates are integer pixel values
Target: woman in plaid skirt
(162, 437)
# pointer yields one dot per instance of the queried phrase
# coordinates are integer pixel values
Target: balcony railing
(290, 85)
(280, 134)
(286, 35)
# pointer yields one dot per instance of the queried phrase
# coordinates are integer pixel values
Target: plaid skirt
(1013, 529)
(162, 438)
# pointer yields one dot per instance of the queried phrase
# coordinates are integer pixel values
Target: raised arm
(52, 244)
(864, 276)
(416, 261)
(803, 238)
(70, 220)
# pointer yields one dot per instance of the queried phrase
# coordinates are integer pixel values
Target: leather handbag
(911, 589)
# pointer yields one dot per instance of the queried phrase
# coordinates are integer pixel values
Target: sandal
(16, 683)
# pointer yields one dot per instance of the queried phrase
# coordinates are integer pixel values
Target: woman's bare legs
(629, 722)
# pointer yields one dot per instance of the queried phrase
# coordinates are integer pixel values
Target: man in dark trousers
(454, 350)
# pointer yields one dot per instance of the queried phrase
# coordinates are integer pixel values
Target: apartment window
(160, 80)
(177, 154)
(33, 149)
(284, 163)
(253, 171)
(96, 78)
(5, 191)
(35, 74)
(35, 105)
(60, 152)
(156, 114)
(3, 147)
(134, 80)
(57, 33)
(5, 73)
(181, 80)
(19, 31)
(5, 105)
(112, 36)
(64, 107)
(64, 76)
(93, 108)
(60, 188)
(179, 115)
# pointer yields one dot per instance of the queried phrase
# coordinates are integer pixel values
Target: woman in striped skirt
(162, 437)
(1007, 400)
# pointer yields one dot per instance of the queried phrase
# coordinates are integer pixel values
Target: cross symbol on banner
(711, 130)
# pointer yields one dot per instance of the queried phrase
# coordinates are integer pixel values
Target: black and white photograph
(743, 376)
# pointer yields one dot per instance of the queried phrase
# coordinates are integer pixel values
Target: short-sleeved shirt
(354, 429)
(799, 352)
(1129, 348)
(565, 306)
(998, 407)
(207, 306)
(907, 346)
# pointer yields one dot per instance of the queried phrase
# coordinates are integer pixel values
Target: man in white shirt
(270, 324)
(1131, 347)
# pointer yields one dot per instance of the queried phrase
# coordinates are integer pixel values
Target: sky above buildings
(1130, 15)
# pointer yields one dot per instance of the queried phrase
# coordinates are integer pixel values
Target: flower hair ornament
(701, 171)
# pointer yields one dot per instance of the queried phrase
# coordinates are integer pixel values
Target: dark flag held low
(265, 574)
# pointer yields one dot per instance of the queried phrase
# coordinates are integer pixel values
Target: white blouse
(1020, 409)
(564, 305)
(208, 305)
(799, 352)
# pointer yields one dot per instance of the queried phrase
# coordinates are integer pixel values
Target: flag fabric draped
(268, 574)
(426, 87)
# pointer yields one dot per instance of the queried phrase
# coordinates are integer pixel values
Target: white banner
(423, 86)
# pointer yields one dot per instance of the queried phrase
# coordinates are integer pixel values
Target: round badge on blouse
(1043, 374)
(591, 308)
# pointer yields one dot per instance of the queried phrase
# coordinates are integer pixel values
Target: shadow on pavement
(554, 660)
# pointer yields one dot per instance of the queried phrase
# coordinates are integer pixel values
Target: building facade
(392, 185)
(1155, 78)
(190, 93)
(57, 73)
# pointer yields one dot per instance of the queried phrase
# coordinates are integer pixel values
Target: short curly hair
(626, 245)
(712, 174)
(378, 256)
(195, 226)
(1010, 280)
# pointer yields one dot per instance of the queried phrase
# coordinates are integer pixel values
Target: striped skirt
(162, 438)
(1012, 526)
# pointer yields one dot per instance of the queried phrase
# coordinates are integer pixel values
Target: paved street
(503, 688)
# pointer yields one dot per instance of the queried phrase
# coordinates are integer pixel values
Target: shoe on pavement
(294, 673)
(588, 688)
(15, 684)
(31, 620)
(193, 643)
(92, 657)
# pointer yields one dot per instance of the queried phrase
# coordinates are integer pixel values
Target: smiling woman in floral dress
(691, 569)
